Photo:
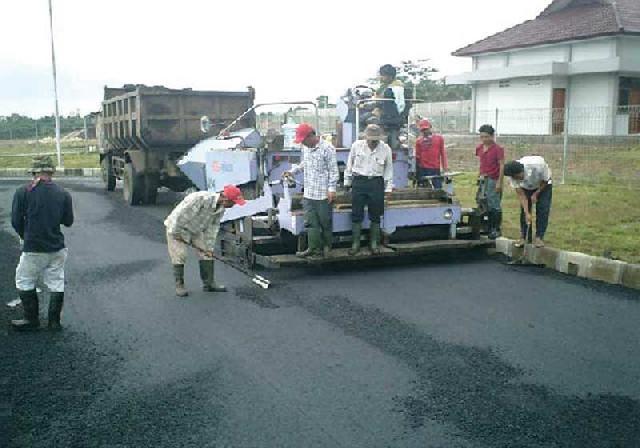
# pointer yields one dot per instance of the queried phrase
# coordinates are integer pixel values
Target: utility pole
(55, 88)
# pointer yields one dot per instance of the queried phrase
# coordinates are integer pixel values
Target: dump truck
(269, 229)
(143, 131)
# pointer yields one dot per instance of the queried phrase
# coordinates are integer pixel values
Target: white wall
(523, 107)
(591, 50)
(555, 53)
(629, 47)
(591, 100)
(491, 61)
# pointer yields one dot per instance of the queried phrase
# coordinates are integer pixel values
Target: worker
(491, 156)
(430, 154)
(321, 176)
(38, 211)
(531, 178)
(195, 222)
(369, 172)
(391, 90)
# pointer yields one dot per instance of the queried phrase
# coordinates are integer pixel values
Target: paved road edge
(576, 263)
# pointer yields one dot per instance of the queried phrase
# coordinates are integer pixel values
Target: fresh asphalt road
(447, 353)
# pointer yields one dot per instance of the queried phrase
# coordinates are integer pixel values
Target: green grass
(590, 218)
(72, 152)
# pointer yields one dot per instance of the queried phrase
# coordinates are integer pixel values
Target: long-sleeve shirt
(320, 168)
(430, 152)
(536, 171)
(198, 213)
(366, 162)
(37, 212)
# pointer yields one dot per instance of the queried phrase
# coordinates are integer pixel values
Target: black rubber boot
(178, 275)
(207, 274)
(356, 231)
(493, 232)
(31, 321)
(374, 238)
(56, 300)
(499, 222)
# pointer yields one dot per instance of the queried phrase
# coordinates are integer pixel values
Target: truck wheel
(133, 186)
(150, 189)
(108, 176)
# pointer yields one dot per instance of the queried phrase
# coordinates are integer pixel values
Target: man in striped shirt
(320, 180)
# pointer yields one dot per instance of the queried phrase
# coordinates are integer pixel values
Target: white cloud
(287, 50)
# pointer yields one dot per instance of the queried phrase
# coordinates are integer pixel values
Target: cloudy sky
(288, 50)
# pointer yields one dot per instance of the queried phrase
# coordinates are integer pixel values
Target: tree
(416, 76)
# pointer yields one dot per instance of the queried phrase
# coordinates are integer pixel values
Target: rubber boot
(356, 231)
(178, 274)
(314, 241)
(31, 321)
(207, 274)
(499, 222)
(327, 240)
(493, 232)
(374, 238)
(56, 300)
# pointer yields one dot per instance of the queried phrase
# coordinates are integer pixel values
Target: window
(628, 94)
(504, 84)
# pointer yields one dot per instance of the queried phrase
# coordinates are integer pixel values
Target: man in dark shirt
(39, 209)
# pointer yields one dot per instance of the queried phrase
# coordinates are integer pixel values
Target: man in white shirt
(531, 178)
(369, 172)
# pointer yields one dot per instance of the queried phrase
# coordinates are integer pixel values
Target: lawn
(597, 219)
(18, 154)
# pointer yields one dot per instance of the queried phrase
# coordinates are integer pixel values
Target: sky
(287, 50)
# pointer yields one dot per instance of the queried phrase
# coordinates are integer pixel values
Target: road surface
(450, 353)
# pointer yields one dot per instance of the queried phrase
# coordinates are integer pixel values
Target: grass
(74, 154)
(596, 219)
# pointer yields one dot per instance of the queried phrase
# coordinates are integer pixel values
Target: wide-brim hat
(374, 132)
(42, 164)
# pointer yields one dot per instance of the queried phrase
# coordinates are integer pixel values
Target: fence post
(86, 137)
(565, 145)
(497, 117)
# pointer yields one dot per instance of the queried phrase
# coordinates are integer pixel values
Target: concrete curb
(576, 263)
(63, 172)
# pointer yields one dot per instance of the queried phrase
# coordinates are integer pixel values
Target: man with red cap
(195, 222)
(430, 154)
(321, 176)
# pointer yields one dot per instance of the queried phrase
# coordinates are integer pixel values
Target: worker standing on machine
(430, 154)
(320, 181)
(369, 172)
(491, 157)
(392, 91)
(195, 222)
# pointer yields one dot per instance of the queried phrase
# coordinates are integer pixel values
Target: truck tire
(150, 193)
(108, 176)
(133, 186)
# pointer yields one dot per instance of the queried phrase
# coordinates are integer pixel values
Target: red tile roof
(564, 20)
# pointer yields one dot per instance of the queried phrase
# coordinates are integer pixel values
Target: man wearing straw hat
(369, 172)
(38, 211)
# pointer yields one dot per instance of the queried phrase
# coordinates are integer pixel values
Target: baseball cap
(302, 131)
(424, 124)
(234, 194)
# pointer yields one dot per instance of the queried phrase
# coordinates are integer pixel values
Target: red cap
(303, 131)
(234, 194)
(424, 124)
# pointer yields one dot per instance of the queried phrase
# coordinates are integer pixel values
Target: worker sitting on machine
(369, 172)
(320, 180)
(392, 111)
(430, 155)
(195, 222)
